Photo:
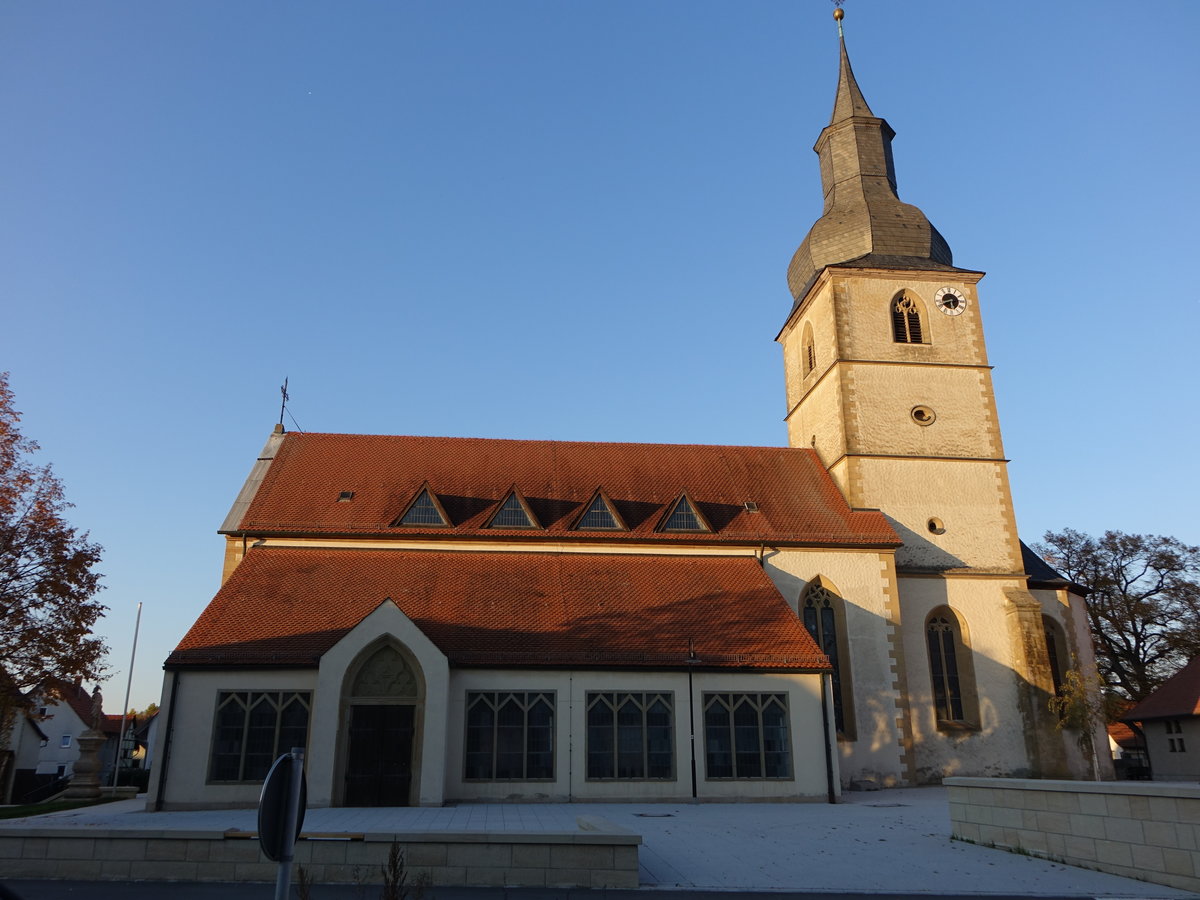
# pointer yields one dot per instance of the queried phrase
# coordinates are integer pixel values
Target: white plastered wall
(1174, 765)
(183, 750)
(570, 780)
(61, 721)
(861, 578)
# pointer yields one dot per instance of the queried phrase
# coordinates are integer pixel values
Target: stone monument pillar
(85, 777)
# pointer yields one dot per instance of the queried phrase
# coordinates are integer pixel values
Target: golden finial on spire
(839, 14)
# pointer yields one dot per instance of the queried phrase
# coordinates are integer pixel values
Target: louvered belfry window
(906, 321)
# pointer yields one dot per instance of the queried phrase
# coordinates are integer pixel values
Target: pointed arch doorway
(383, 704)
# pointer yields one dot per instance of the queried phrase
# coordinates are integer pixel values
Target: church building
(465, 619)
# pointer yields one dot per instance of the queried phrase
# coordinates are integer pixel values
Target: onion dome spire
(864, 222)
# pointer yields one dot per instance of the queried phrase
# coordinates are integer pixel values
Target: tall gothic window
(1056, 650)
(823, 614)
(906, 320)
(950, 670)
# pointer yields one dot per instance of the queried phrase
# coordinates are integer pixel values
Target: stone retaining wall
(1145, 830)
(602, 855)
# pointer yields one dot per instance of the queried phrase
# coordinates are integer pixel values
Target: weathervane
(283, 404)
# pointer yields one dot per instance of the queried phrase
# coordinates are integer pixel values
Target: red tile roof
(285, 606)
(798, 503)
(1176, 697)
(54, 690)
(1123, 735)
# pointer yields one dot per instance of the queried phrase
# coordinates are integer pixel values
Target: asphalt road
(145, 890)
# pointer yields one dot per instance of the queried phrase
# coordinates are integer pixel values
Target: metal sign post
(281, 815)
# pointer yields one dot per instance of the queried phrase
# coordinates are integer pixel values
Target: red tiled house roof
(1177, 697)
(1123, 735)
(798, 503)
(71, 694)
(288, 606)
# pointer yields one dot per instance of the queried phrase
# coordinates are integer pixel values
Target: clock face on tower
(950, 301)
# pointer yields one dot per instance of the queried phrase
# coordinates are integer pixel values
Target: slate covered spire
(864, 221)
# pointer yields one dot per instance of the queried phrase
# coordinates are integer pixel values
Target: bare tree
(1144, 605)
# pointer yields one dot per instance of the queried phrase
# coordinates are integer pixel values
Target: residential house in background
(1169, 720)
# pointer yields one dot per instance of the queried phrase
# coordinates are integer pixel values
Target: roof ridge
(545, 441)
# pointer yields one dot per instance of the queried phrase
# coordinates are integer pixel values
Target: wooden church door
(379, 757)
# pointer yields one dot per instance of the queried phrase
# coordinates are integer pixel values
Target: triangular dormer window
(600, 515)
(424, 512)
(514, 512)
(684, 516)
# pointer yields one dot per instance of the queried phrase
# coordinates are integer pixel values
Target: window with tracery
(510, 735)
(253, 729)
(906, 320)
(820, 612)
(951, 671)
(746, 736)
(630, 735)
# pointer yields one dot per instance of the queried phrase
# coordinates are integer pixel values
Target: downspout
(692, 714)
(827, 682)
(166, 754)
(571, 736)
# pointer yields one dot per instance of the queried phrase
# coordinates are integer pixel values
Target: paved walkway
(893, 842)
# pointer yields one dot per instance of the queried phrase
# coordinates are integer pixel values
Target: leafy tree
(48, 580)
(1144, 605)
(1080, 707)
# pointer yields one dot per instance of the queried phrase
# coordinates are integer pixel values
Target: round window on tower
(923, 415)
(936, 526)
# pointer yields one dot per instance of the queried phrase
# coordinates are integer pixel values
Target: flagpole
(125, 708)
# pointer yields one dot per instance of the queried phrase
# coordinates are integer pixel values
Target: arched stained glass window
(823, 615)
(951, 671)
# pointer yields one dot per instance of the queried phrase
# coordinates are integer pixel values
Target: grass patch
(37, 809)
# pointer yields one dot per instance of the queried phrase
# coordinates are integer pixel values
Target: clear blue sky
(563, 220)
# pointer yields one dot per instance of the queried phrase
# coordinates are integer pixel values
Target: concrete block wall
(1144, 830)
(590, 858)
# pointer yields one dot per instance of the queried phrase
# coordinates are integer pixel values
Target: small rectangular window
(510, 736)
(65, 741)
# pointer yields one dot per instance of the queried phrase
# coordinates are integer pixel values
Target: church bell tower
(886, 368)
